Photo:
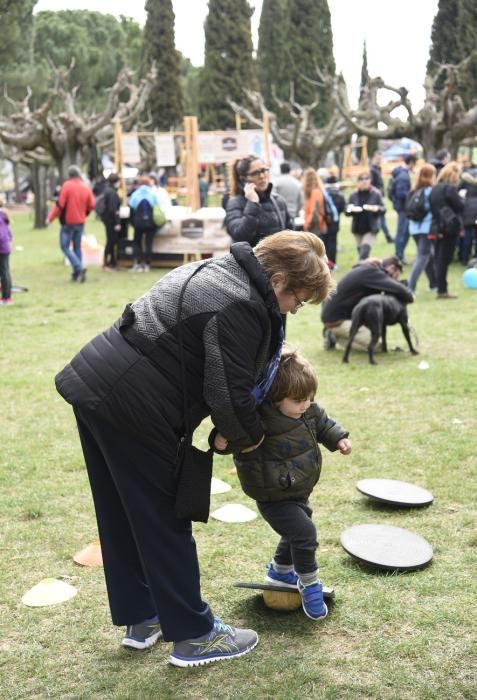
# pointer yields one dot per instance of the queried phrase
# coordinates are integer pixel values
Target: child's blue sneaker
(312, 600)
(288, 580)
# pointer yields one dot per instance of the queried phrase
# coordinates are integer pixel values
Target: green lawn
(387, 636)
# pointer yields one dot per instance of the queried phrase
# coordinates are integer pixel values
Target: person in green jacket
(281, 473)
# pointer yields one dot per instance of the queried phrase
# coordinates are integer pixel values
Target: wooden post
(364, 151)
(118, 158)
(238, 121)
(266, 141)
(192, 162)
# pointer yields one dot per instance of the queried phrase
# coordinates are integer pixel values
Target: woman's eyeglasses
(256, 173)
(299, 303)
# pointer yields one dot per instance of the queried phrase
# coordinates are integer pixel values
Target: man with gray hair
(74, 203)
(290, 189)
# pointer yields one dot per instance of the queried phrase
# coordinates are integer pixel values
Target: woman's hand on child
(220, 443)
(344, 446)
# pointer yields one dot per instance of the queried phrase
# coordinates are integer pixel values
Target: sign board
(165, 149)
(225, 146)
(130, 149)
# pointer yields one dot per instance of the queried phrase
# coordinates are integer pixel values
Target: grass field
(402, 637)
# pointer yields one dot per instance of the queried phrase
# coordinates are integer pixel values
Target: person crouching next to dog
(366, 207)
(368, 277)
(281, 473)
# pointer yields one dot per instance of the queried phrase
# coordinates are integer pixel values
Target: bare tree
(55, 133)
(300, 139)
(442, 122)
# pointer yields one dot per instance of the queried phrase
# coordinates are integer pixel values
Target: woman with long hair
(320, 211)
(446, 207)
(253, 210)
(419, 230)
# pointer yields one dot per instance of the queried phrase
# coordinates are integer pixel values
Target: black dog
(376, 312)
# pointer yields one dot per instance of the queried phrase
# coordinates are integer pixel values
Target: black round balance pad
(327, 591)
(387, 547)
(394, 492)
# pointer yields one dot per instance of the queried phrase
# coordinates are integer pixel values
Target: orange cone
(90, 555)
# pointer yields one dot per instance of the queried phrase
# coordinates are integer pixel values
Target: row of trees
(68, 74)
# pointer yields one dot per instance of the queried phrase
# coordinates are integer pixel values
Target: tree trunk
(39, 176)
(16, 183)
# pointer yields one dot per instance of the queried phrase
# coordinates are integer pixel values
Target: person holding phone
(254, 211)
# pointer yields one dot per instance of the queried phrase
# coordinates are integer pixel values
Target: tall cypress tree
(165, 102)
(228, 63)
(445, 41)
(364, 72)
(310, 42)
(271, 57)
(467, 37)
(372, 142)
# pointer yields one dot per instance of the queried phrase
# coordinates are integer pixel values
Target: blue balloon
(469, 278)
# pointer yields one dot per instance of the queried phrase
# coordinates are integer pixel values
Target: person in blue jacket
(399, 189)
(420, 230)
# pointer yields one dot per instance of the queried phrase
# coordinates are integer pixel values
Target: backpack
(100, 206)
(415, 207)
(143, 216)
(318, 224)
(158, 216)
(390, 189)
(449, 222)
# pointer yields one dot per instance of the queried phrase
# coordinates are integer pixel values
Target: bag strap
(180, 339)
(273, 197)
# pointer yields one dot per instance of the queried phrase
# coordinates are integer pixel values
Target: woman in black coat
(445, 197)
(253, 210)
(468, 247)
(205, 340)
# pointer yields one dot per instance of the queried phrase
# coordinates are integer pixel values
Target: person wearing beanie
(371, 276)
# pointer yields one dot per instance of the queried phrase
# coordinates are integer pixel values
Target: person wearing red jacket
(74, 204)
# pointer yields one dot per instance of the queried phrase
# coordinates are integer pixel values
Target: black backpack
(143, 215)
(415, 206)
(450, 223)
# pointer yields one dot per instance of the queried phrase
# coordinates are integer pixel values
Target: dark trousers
(298, 539)
(402, 234)
(468, 244)
(143, 239)
(444, 252)
(5, 277)
(384, 227)
(149, 556)
(329, 239)
(110, 257)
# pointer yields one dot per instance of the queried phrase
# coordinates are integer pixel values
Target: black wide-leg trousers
(149, 555)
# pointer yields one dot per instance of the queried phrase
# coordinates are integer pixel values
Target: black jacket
(130, 374)
(444, 195)
(250, 221)
(469, 184)
(361, 281)
(377, 178)
(112, 202)
(366, 221)
(287, 464)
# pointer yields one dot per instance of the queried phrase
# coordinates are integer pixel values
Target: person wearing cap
(75, 202)
(368, 277)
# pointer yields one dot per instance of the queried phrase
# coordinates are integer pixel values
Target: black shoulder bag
(194, 471)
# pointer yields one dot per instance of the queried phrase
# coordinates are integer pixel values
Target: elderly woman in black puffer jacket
(254, 211)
